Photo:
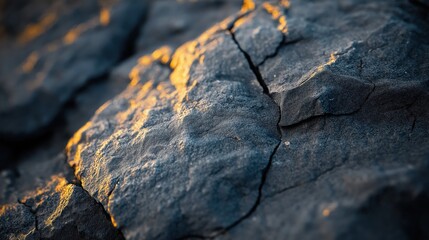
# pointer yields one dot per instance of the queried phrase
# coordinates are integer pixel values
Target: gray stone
(32, 173)
(354, 156)
(350, 202)
(186, 146)
(72, 44)
(59, 210)
(17, 222)
(289, 120)
(172, 23)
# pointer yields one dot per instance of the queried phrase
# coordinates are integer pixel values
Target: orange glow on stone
(104, 16)
(248, 5)
(30, 62)
(277, 15)
(285, 3)
(70, 37)
(162, 55)
(75, 32)
(65, 195)
(33, 31)
(320, 68)
(326, 212)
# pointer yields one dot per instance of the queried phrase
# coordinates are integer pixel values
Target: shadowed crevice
(105, 212)
(253, 67)
(34, 213)
(267, 168)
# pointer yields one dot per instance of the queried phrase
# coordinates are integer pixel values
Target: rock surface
(31, 162)
(61, 210)
(71, 44)
(287, 120)
(180, 145)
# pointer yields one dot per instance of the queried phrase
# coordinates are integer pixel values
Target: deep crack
(267, 168)
(261, 185)
(36, 220)
(78, 183)
(105, 212)
(253, 67)
(414, 117)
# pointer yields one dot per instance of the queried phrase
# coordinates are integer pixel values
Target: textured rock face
(288, 120)
(59, 211)
(71, 44)
(354, 153)
(33, 161)
(183, 145)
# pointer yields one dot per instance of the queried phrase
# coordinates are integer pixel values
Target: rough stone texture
(187, 149)
(30, 163)
(15, 183)
(58, 211)
(289, 120)
(352, 85)
(71, 44)
(17, 222)
(352, 202)
(172, 23)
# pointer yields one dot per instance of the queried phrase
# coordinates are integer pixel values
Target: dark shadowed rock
(173, 23)
(17, 222)
(351, 202)
(71, 44)
(35, 172)
(289, 120)
(58, 211)
(354, 156)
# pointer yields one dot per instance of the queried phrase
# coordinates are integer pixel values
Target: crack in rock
(253, 67)
(34, 213)
(190, 151)
(256, 72)
(105, 212)
(316, 178)
(333, 114)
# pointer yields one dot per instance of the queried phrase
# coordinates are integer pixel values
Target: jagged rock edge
(309, 119)
(127, 52)
(105, 212)
(77, 182)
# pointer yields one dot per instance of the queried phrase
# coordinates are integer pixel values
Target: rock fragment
(58, 211)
